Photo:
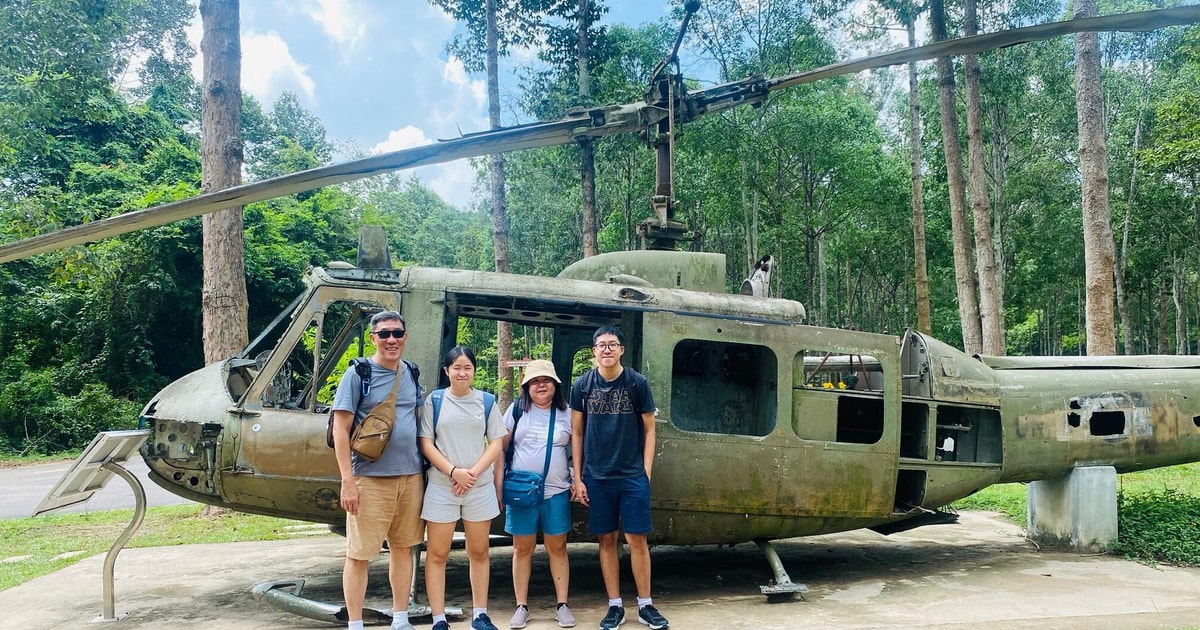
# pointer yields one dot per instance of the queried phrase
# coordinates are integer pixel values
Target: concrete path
(980, 573)
(24, 487)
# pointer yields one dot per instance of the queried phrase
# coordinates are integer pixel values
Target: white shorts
(478, 504)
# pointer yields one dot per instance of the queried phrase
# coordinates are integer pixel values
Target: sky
(377, 74)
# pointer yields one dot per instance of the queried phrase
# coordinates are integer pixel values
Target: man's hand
(349, 497)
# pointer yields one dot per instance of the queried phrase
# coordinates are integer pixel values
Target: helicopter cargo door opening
(730, 403)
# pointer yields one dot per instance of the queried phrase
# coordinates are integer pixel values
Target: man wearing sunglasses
(612, 424)
(382, 498)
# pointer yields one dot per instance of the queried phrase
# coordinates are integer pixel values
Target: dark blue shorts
(625, 499)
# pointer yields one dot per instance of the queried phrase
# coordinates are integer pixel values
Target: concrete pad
(980, 573)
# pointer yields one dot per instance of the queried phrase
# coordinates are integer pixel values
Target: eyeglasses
(611, 345)
(398, 333)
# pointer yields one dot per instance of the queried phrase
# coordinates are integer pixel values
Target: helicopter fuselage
(767, 428)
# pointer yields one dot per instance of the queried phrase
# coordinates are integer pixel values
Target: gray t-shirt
(401, 457)
(461, 435)
(529, 452)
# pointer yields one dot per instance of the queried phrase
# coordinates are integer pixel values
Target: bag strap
(508, 455)
(512, 443)
(489, 400)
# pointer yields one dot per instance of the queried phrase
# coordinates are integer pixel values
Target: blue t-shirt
(401, 457)
(613, 439)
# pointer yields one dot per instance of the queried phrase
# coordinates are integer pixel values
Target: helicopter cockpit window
(837, 397)
(309, 376)
(723, 388)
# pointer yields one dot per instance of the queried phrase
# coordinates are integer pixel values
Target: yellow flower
(827, 385)
(841, 385)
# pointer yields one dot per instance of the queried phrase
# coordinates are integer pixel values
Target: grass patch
(12, 460)
(53, 542)
(1158, 513)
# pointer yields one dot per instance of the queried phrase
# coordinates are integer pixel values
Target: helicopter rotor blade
(593, 123)
(752, 90)
(590, 123)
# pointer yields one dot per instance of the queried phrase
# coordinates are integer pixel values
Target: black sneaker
(649, 615)
(614, 618)
(482, 622)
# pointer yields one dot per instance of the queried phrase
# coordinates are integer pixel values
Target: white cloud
(452, 181)
(455, 73)
(338, 20)
(268, 68)
(404, 138)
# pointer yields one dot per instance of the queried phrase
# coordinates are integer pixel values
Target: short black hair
(459, 351)
(608, 329)
(387, 316)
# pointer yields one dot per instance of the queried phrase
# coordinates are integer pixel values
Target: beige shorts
(478, 504)
(389, 508)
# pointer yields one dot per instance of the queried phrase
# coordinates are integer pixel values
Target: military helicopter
(739, 379)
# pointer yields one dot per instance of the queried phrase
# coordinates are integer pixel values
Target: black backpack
(363, 368)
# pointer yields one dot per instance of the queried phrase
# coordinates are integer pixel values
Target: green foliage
(1158, 512)
(1160, 526)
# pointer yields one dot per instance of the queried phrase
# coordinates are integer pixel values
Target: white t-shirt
(529, 452)
(461, 435)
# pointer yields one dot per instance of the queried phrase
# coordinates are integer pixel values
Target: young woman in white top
(462, 485)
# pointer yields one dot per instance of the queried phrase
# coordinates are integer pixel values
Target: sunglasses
(395, 334)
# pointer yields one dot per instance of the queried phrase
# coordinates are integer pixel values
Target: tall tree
(493, 27)
(223, 301)
(964, 274)
(1093, 166)
(991, 324)
(587, 151)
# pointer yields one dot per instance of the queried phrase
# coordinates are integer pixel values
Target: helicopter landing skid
(781, 588)
(285, 595)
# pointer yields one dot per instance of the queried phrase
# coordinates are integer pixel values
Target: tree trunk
(822, 281)
(920, 263)
(1181, 340)
(1093, 165)
(504, 334)
(964, 274)
(1121, 261)
(587, 150)
(223, 302)
(991, 324)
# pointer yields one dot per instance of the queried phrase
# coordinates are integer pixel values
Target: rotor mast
(662, 231)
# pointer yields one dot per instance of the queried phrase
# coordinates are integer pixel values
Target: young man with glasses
(612, 420)
(382, 498)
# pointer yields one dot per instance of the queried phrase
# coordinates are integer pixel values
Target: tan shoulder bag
(370, 437)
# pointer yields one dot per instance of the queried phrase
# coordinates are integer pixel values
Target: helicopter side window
(838, 397)
(723, 388)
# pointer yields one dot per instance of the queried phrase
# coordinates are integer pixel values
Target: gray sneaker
(519, 618)
(402, 626)
(564, 617)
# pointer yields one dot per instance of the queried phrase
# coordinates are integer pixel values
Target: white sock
(400, 617)
(644, 601)
(478, 611)
(616, 602)
(437, 618)
(356, 625)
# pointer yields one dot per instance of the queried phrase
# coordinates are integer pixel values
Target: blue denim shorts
(613, 499)
(553, 515)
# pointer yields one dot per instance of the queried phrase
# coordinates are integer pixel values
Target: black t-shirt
(614, 438)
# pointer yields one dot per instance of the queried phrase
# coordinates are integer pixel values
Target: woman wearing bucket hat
(542, 405)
